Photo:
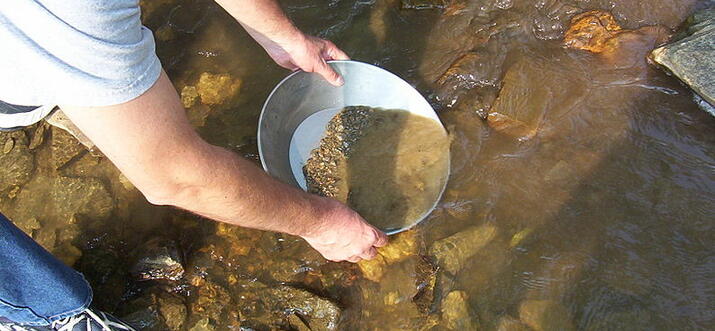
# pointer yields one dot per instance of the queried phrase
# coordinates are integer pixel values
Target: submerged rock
(400, 247)
(534, 90)
(210, 301)
(217, 89)
(156, 310)
(85, 196)
(472, 70)
(320, 313)
(456, 312)
(598, 32)
(508, 323)
(38, 136)
(16, 161)
(590, 30)
(65, 148)
(159, 258)
(423, 4)
(452, 253)
(545, 315)
(692, 58)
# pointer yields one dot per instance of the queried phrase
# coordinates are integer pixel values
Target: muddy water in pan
(581, 193)
(388, 165)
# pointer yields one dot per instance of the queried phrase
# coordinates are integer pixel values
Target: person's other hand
(343, 235)
(307, 53)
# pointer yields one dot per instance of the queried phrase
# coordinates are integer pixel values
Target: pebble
(9, 144)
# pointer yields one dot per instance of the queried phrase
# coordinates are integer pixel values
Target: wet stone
(38, 136)
(158, 258)
(471, 70)
(86, 196)
(16, 161)
(320, 313)
(156, 309)
(28, 226)
(217, 89)
(424, 4)
(544, 315)
(9, 144)
(535, 90)
(65, 148)
(508, 323)
(173, 311)
(210, 300)
(598, 32)
(296, 322)
(189, 96)
(453, 252)
(456, 312)
(589, 31)
(425, 281)
(692, 58)
(67, 253)
(202, 325)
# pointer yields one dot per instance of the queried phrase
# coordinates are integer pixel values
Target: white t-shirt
(74, 52)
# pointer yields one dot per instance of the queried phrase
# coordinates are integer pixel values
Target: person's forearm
(228, 188)
(263, 19)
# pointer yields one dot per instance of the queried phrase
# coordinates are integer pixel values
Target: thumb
(325, 70)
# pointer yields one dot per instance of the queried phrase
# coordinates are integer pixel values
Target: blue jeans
(35, 287)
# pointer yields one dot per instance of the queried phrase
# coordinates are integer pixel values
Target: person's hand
(307, 53)
(343, 235)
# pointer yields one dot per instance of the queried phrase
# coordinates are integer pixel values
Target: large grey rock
(692, 58)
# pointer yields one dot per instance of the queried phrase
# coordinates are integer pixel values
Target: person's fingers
(328, 73)
(332, 52)
(381, 238)
(369, 254)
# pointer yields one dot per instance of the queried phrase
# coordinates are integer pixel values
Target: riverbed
(594, 212)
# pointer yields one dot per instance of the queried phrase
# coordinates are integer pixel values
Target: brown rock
(400, 247)
(189, 95)
(38, 137)
(16, 161)
(452, 253)
(545, 315)
(67, 253)
(86, 196)
(508, 323)
(65, 148)
(217, 89)
(534, 89)
(598, 32)
(456, 312)
(591, 30)
(424, 4)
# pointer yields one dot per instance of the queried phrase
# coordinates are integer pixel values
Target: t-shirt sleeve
(76, 52)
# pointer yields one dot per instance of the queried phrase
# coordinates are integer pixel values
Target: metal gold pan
(303, 94)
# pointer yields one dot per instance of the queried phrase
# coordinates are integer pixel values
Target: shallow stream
(594, 212)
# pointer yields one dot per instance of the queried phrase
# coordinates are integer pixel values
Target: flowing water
(593, 210)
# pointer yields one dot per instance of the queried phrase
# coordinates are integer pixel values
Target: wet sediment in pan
(388, 165)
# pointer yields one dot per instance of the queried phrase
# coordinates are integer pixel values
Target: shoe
(87, 320)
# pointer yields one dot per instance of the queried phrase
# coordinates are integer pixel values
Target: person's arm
(151, 141)
(265, 21)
